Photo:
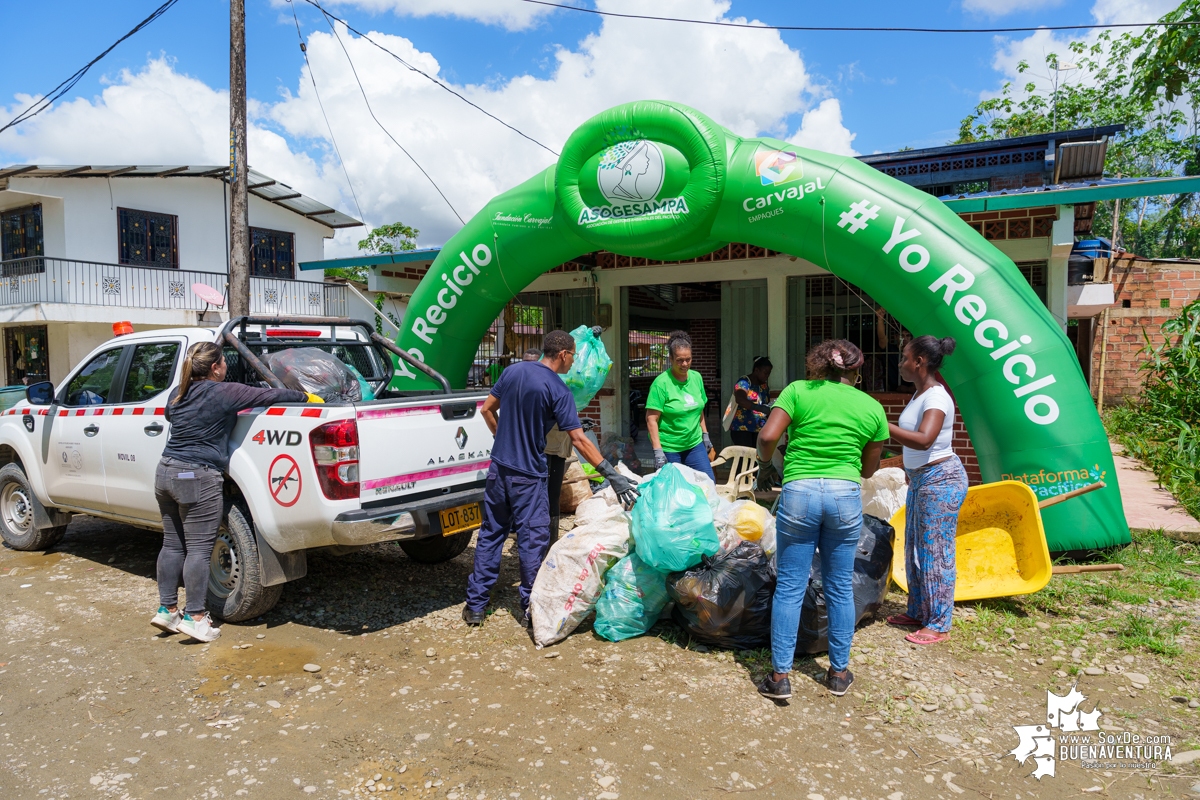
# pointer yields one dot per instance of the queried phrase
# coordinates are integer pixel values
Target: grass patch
(1140, 632)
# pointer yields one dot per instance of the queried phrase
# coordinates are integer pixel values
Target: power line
(69, 83)
(328, 127)
(380, 124)
(856, 29)
(329, 15)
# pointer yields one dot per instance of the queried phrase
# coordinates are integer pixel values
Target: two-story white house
(82, 247)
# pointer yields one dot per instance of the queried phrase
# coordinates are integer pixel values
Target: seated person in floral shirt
(752, 396)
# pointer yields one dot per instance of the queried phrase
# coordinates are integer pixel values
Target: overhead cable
(328, 127)
(330, 15)
(380, 124)
(856, 28)
(66, 86)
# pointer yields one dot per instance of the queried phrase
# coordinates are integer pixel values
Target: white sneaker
(200, 628)
(166, 620)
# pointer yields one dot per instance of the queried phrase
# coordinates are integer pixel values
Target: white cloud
(999, 8)
(822, 129)
(513, 15)
(750, 81)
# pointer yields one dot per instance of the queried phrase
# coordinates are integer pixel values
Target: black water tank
(1080, 269)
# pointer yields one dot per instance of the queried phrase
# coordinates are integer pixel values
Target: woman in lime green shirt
(675, 412)
(835, 436)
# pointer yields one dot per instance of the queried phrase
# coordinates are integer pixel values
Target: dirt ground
(409, 701)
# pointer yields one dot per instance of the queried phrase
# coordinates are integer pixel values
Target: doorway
(26, 355)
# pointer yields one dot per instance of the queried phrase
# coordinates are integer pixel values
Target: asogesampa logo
(630, 176)
(774, 167)
(1076, 742)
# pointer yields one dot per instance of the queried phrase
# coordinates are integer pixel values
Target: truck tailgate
(421, 445)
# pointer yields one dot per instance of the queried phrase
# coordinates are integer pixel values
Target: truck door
(74, 466)
(137, 428)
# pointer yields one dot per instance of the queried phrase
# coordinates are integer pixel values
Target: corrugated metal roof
(1070, 193)
(1078, 161)
(262, 186)
(403, 257)
(1080, 134)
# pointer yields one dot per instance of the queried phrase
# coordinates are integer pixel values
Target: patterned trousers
(935, 494)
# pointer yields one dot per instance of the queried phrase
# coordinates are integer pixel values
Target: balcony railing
(44, 279)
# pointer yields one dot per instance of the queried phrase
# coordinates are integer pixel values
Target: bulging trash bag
(701, 481)
(884, 493)
(600, 506)
(747, 519)
(672, 522)
(312, 370)
(591, 366)
(569, 583)
(872, 570)
(364, 388)
(634, 595)
(726, 601)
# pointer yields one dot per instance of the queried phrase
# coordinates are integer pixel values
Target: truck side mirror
(40, 394)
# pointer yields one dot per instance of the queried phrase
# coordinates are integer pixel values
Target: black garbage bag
(725, 601)
(312, 370)
(872, 570)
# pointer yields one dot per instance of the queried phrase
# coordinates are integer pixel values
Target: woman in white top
(937, 486)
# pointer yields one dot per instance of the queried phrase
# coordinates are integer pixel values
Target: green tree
(396, 237)
(1143, 80)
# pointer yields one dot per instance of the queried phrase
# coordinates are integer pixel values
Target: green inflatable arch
(660, 180)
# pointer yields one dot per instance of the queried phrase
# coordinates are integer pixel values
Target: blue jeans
(696, 458)
(822, 514)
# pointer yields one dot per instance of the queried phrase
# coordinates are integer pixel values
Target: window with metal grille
(21, 237)
(648, 355)
(836, 309)
(523, 323)
(146, 239)
(1035, 273)
(272, 253)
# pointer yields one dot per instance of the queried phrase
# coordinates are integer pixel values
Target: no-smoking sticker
(283, 480)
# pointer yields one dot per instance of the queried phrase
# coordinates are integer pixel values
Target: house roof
(261, 186)
(1044, 139)
(403, 257)
(1071, 193)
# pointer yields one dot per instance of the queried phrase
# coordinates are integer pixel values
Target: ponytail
(197, 364)
(932, 349)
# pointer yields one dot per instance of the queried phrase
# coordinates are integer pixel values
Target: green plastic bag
(634, 595)
(363, 386)
(591, 366)
(673, 523)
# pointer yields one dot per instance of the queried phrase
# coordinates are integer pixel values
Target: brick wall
(1016, 181)
(1141, 287)
(706, 356)
(894, 403)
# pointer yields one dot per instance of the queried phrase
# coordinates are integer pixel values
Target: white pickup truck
(404, 467)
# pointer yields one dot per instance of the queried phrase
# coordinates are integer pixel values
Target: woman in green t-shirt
(675, 412)
(835, 436)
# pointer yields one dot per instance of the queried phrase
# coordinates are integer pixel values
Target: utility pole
(239, 206)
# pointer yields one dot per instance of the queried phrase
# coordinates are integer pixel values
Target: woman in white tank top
(937, 486)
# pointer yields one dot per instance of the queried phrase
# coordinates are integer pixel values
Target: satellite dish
(208, 294)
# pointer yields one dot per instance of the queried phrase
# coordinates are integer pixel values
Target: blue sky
(158, 98)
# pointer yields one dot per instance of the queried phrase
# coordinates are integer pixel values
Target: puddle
(263, 661)
(23, 562)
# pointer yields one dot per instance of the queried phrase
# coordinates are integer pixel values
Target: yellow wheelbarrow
(1001, 544)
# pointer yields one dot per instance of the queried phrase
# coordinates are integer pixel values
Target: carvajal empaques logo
(1072, 734)
(774, 167)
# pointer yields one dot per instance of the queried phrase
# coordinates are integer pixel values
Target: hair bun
(947, 345)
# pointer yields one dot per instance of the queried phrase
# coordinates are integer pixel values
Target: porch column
(1062, 239)
(777, 329)
(612, 406)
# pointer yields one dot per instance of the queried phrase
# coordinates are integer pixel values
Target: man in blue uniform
(532, 399)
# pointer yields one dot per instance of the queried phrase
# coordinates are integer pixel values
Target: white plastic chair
(743, 466)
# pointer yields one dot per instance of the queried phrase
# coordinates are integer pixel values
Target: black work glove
(597, 330)
(762, 409)
(624, 487)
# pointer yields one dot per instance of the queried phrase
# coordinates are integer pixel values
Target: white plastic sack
(884, 493)
(599, 507)
(704, 482)
(743, 520)
(727, 535)
(572, 576)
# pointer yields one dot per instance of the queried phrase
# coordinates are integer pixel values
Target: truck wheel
(16, 513)
(436, 549)
(235, 590)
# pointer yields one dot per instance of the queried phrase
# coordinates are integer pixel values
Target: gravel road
(409, 701)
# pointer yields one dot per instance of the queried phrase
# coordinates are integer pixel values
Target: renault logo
(460, 438)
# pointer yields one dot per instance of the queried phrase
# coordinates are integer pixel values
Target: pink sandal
(925, 636)
(902, 620)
